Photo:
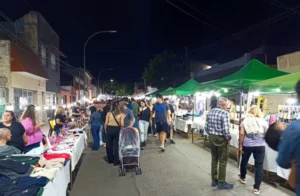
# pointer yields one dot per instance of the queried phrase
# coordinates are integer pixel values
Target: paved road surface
(183, 170)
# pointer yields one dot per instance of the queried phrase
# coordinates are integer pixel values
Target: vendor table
(75, 152)
(59, 184)
(182, 125)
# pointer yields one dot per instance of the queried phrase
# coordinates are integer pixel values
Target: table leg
(71, 176)
(205, 139)
(192, 135)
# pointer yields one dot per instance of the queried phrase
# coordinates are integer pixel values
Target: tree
(118, 88)
(166, 69)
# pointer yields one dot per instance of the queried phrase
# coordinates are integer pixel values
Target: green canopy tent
(158, 92)
(167, 90)
(279, 85)
(184, 89)
(254, 71)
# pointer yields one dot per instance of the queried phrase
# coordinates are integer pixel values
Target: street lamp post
(108, 69)
(86, 42)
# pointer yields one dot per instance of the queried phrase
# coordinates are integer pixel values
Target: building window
(53, 62)
(2, 96)
(22, 99)
(2, 100)
(50, 99)
(43, 56)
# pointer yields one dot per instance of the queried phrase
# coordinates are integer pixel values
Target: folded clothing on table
(32, 160)
(14, 175)
(66, 156)
(48, 173)
(52, 163)
(24, 190)
(18, 167)
(23, 186)
(38, 181)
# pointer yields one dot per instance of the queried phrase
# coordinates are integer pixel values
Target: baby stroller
(129, 150)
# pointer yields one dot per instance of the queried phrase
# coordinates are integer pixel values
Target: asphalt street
(183, 170)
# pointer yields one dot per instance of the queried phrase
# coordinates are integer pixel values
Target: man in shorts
(172, 115)
(162, 119)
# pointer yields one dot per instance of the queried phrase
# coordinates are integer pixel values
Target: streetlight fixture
(108, 69)
(86, 42)
(111, 80)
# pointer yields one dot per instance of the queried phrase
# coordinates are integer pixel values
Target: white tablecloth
(59, 184)
(76, 151)
(182, 125)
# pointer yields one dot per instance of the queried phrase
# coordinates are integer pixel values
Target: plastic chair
(51, 127)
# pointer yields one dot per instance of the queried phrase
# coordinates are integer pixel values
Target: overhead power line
(196, 18)
(282, 5)
(198, 11)
(248, 30)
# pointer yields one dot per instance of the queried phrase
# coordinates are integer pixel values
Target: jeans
(152, 129)
(136, 122)
(259, 155)
(95, 132)
(112, 144)
(100, 133)
(143, 125)
(57, 131)
(219, 156)
(103, 134)
(32, 146)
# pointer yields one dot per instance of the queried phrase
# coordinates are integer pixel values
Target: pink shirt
(33, 136)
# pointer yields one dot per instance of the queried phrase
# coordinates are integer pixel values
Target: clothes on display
(23, 174)
(288, 113)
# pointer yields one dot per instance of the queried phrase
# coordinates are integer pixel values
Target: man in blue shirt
(162, 119)
(289, 147)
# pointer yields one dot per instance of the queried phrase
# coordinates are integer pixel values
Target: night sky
(146, 27)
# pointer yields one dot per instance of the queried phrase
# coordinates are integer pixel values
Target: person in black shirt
(172, 120)
(145, 118)
(59, 119)
(19, 138)
(76, 112)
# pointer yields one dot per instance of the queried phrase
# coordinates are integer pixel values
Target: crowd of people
(107, 118)
(254, 133)
(156, 119)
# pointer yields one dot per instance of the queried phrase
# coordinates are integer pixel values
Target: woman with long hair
(152, 127)
(95, 121)
(18, 138)
(252, 133)
(59, 119)
(113, 124)
(145, 118)
(32, 128)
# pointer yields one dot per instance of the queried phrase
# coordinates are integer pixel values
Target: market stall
(279, 105)
(47, 170)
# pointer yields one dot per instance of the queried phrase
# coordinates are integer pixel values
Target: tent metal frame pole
(240, 120)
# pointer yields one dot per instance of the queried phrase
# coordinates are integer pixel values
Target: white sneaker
(256, 192)
(101, 143)
(243, 181)
(104, 145)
